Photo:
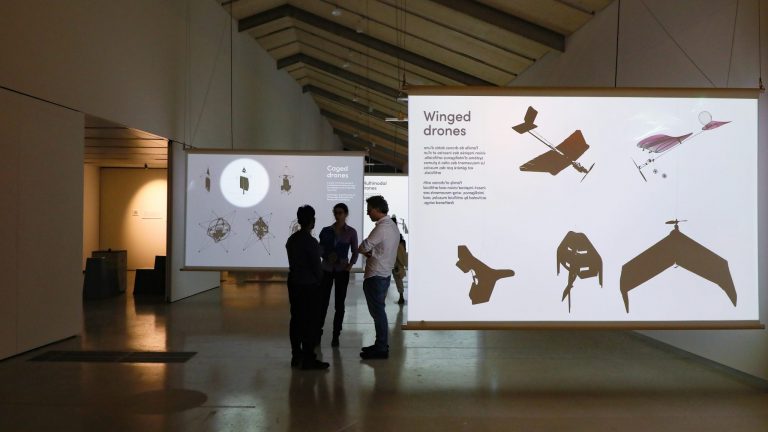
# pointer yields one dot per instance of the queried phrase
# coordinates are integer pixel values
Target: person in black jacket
(304, 276)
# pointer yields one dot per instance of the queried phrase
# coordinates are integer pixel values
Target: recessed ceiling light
(336, 11)
(345, 64)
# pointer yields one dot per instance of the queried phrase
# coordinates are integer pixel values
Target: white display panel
(241, 207)
(394, 188)
(498, 182)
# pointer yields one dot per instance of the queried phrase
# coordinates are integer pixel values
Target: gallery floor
(240, 378)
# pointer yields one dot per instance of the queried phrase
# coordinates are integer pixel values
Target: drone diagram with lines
(260, 232)
(218, 230)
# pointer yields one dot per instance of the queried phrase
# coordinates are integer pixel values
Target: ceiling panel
(108, 144)
(352, 55)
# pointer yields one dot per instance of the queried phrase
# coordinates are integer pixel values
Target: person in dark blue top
(304, 276)
(336, 243)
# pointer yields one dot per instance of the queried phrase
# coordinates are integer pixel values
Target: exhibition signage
(618, 207)
(241, 207)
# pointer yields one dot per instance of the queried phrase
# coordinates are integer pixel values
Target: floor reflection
(241, 379)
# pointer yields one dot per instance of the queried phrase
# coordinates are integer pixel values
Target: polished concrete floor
(240, 380)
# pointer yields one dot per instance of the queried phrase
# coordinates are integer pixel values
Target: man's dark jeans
(375, 289)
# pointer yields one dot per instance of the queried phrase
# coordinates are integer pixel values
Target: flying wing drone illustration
(244, 182)
(285, 178)
(558, 157)
(218, 229)
(260, 232)
(662, 144)
(484, 278)
(676, 249)
(580, 258)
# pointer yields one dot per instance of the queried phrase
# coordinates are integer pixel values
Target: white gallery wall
(133, 213)
(91, 187)
(41, 226)
(161, 67)
(270, 112)
(685, 43)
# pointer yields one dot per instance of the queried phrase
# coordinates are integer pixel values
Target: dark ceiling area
(357, 57)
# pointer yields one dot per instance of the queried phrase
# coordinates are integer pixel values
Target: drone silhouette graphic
(676, 250)
(558, 157)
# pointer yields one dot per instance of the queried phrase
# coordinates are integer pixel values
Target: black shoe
(314, 365)
(335, 341)
(295, 362)
(374, 354)
(371, 348)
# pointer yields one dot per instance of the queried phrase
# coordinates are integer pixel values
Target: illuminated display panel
(622, 207)
(241, 207)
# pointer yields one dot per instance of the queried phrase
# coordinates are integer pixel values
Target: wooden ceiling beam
(325, 94)
(386, 128)
(340, 72)
(398, 160)
(364, 128)
(346, 90)
(373, 142)
(507, 22)
(375, 156)
(298, 14)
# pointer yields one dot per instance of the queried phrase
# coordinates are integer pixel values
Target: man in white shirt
(381, 250)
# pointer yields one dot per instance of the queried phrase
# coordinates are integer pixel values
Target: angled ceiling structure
(352, 56)
(108, 144)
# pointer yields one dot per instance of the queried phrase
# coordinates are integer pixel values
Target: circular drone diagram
(244, 182)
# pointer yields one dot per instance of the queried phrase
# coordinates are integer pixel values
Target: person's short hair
(378, 202)
(341, 206)
(305, 215)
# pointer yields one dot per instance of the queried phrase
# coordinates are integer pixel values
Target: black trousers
(341, 279)
(305, 319)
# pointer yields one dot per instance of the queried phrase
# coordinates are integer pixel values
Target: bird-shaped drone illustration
(558, 157)
(662, 144)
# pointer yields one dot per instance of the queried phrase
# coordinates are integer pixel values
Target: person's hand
(349, 267)
(368, 254)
